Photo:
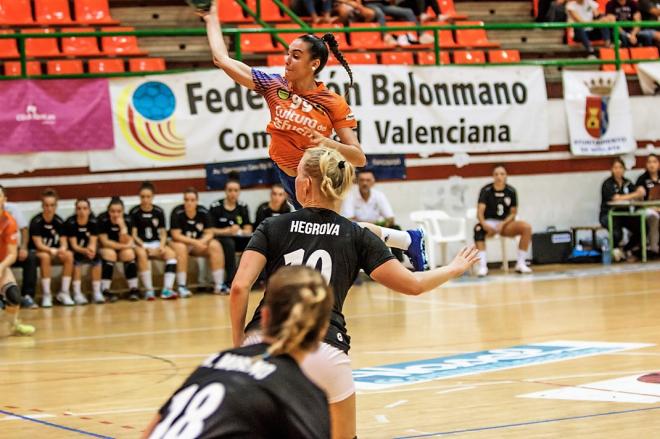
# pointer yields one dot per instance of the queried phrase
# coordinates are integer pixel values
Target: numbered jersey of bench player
(498, 203)
(148, 223)
(327, 242)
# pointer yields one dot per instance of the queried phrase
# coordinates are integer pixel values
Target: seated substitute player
(259, 391)
(648, 187)
(48, 240)
(82, 235)
(117, 245)
(317, 236)
(496, 213)
(150, 236)
(230, 217)
(277, 205)
(191, 232)
(8, 254)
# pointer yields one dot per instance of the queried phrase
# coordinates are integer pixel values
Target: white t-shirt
(585, 10)
(374, 209)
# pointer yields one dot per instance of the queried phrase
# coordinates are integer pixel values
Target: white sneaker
(98, 298)
(65, 299)
(80, 299)
(482, 271)
(402, 41)
(47, 301)
(522, 268)
(184, 292)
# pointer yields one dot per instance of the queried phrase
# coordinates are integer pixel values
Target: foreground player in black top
(317, 236)
(192, 234)
(82, 233)
(496, 213)
(259, 391)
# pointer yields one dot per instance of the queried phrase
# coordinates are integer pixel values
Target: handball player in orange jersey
(304, 113)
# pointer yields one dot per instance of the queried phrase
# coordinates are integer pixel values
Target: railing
(435, 29)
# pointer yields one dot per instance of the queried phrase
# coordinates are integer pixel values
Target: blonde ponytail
(331, 169)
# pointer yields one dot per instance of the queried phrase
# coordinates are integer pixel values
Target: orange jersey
(293, 117)
(8, 233)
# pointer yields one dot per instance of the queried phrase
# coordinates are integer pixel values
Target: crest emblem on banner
(146, 121)
(596, 116)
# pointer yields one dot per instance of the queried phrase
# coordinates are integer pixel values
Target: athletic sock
(219, 277)
(77, 287)
(170, 274)
(395, 238)
(182, 278)
(45, 286)
(145, 276)
(66, 284)
(522, 255)
(96, 286)
(483, 260)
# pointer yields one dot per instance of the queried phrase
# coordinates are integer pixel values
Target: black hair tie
(342, 164)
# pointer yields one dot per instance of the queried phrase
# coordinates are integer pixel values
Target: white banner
(598, 112)
(204, 117)
(649, 77)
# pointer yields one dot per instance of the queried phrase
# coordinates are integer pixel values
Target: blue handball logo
(154, 101)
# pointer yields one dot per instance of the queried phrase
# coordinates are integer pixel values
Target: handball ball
(200, 5)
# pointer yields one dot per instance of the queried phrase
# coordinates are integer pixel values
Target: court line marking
(634, 353)
(457, 389)
(382, 419)
(94, 359)
(37, 416)
(53, 425)
(589, 375)
(114, 412)
(396, 404)
(446, 386)
(522, 424)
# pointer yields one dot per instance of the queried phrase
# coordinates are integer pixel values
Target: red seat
(355, 58)
(447, 8)
(120, 45)
(270, 12)
(106, 65)
(644, 53)
(230, 12)
(65, 67)
(289, 37)
(79, 46)
(446, 37)
(608, 54)
(503, 56)
(13, 68)
(403, 58)
(340, 36)
(8, 48)
(601, 5)
(93, 12)
(275, 60)
(366, 40)
(469, 57)
(52, 12)
(473, 37)
(428, 58)
(255, 43)
(146, 65)
(15, 12)
(41, 47)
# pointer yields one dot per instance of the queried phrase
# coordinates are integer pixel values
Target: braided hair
(318, 49)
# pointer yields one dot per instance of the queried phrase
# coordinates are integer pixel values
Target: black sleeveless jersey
(112, 230)
(327, 242)
(190, 227)
(50, 232)
(240, 394)
(498, 203)
(82, 233)
(148, 223)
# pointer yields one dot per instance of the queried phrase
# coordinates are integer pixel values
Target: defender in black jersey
(648, 186)
(277, 205)
(82, 234)
(496, 213)
(259, 391)
(150, 236)
(318, 237)
(192, 234)
(47, 238)
(117, 245)
(230, 218)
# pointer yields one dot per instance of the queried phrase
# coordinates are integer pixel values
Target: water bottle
(605, 249)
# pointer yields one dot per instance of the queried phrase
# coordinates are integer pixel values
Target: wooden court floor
(102, 371)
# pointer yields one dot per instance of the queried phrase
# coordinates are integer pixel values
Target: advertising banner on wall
(204, 117)
(598, 112)
(55, 115)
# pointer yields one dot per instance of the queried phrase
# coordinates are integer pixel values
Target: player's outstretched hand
(466, 258)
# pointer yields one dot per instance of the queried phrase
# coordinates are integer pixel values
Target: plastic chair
(400, 58)
(270, 12)
(52, 12)
(643, 53)
(13, 68)
(106, 65)
(93, 12)
(608, 55)
(473, 37)
(41, 47)
(255, 43)
(503, 56)
(435, 224)
(428, 58)
(471, 215)
(355, 58)
(120, 45)
(447, 8)
(275, 60)
(367, 40)
(146, 65)
(65, 67)
(469, 57)
(80, 46)
(8, 48)
(230, 12)
(339, 34)
(15, 13)
(446, 37)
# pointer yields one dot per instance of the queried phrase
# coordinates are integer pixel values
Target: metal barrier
(435, 29)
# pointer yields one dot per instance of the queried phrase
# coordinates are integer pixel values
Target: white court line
(651, 354)
(396, 404)
(440, 387)
(457, 389)
(94, 359)
(589, 375)
(22, 417)
(405, 352)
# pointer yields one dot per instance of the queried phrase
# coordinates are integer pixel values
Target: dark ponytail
(116, 200)
(318, 49)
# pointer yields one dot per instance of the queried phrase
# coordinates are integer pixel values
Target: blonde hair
(331, 169)
(299, 302)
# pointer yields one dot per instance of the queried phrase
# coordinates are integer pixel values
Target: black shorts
(80, 259)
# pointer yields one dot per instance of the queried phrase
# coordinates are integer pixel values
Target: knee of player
(12, 294)
(479, 233)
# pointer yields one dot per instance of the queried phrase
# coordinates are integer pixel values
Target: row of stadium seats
(625, 54)
(465, 38)
(54, 12)
(72, 46)
(76, 66)
(421, 58)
